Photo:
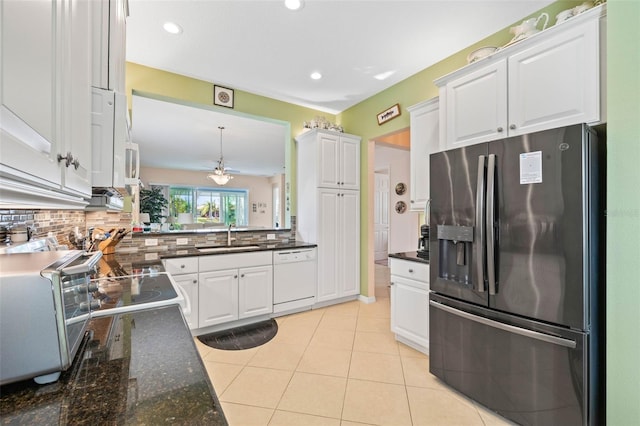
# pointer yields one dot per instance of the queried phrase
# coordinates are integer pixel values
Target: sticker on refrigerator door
(530, 167)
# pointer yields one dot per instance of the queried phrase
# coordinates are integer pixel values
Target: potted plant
(153, 201)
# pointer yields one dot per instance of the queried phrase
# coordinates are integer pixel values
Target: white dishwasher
(294, 279)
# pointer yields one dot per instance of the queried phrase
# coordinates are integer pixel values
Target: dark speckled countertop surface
(140, 368)
(410, 255)
(137, 368)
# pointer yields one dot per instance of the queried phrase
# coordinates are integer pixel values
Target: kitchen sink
(225, 248)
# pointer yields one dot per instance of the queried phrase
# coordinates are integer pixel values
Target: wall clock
(401, 188)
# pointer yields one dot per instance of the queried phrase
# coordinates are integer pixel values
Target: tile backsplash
(63, 223)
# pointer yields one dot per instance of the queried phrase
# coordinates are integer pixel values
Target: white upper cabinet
(425, 137)
(556, 82)
(551, 79)
(45, 101)
(335, 159)
(109, 44)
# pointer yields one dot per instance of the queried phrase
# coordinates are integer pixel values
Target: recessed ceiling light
(172, 28)
(384, 75)
(293, 4)
(316, 75)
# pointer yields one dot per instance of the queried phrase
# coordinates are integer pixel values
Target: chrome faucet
(231, 225)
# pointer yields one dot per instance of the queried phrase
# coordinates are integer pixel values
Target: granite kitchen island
(136, 368)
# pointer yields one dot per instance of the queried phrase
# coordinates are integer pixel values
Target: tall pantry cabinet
(328, 208)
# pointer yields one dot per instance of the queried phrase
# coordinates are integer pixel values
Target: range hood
(105, 199)
(115, 159)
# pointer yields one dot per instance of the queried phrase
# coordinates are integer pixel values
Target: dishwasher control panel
(288, 256)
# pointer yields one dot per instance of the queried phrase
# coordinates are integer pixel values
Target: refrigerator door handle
(479, 234)
(490, 218)
(506, 327)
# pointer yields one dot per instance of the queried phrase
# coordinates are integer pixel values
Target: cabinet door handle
(68, 159)
(500, 129)
(195, 281)
(242, 276)
(182, 266)
(411, 271)
(391, 283)
(512, 127)
(235, 276)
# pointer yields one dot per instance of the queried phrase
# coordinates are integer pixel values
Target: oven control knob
(93, 305)
(93, 287)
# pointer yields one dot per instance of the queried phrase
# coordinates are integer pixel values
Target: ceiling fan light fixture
(220, 174)
(293, 4)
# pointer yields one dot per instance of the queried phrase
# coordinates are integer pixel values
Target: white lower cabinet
(234, 287)
(255, 291)
(184, 271)
(218, 297)
(224, 288)
(189, 285)
(410, 303)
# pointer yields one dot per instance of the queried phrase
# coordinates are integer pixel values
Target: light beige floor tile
(379, 309)
(231, 357)
(438, 407)
(407, 351)
(490, 418)
(221, 375)
(376, 367)
(334, 339)
(327, 361)
(373, 324)
(246, 415)
(307, 318)
(416, 373)
(281, 356)
(382, 292)
(375, 342)
(348, 423)
(287, 418)
(346, 308)
(314, 394)
(293, 334)
(376, 403)
(201, 347)
(338, 321)
(261, 387)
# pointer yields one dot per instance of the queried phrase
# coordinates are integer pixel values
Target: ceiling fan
(220, 174)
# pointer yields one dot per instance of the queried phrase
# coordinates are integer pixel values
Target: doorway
(381, 216)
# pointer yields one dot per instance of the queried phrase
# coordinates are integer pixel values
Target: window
(224, 206)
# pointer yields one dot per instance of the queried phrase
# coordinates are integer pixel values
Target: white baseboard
(367, 299)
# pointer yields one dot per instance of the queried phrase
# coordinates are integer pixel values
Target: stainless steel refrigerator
(516, 275)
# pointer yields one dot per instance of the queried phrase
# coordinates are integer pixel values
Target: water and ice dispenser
(455, 244)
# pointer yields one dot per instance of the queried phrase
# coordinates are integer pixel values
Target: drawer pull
(411, 271)
(182, 266)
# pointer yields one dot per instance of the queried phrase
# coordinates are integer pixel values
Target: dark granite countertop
(135, 368)
(193, 251)
(409, 255)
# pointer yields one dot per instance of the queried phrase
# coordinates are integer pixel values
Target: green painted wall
(623, 212)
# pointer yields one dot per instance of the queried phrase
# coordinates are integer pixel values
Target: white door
(328, 246)
(218, 297)
(255, 291)
(381, 215)
(349, 242)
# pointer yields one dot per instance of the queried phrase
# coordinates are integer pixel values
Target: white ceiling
(263, 48)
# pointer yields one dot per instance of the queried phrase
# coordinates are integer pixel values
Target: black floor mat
(244, 337)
